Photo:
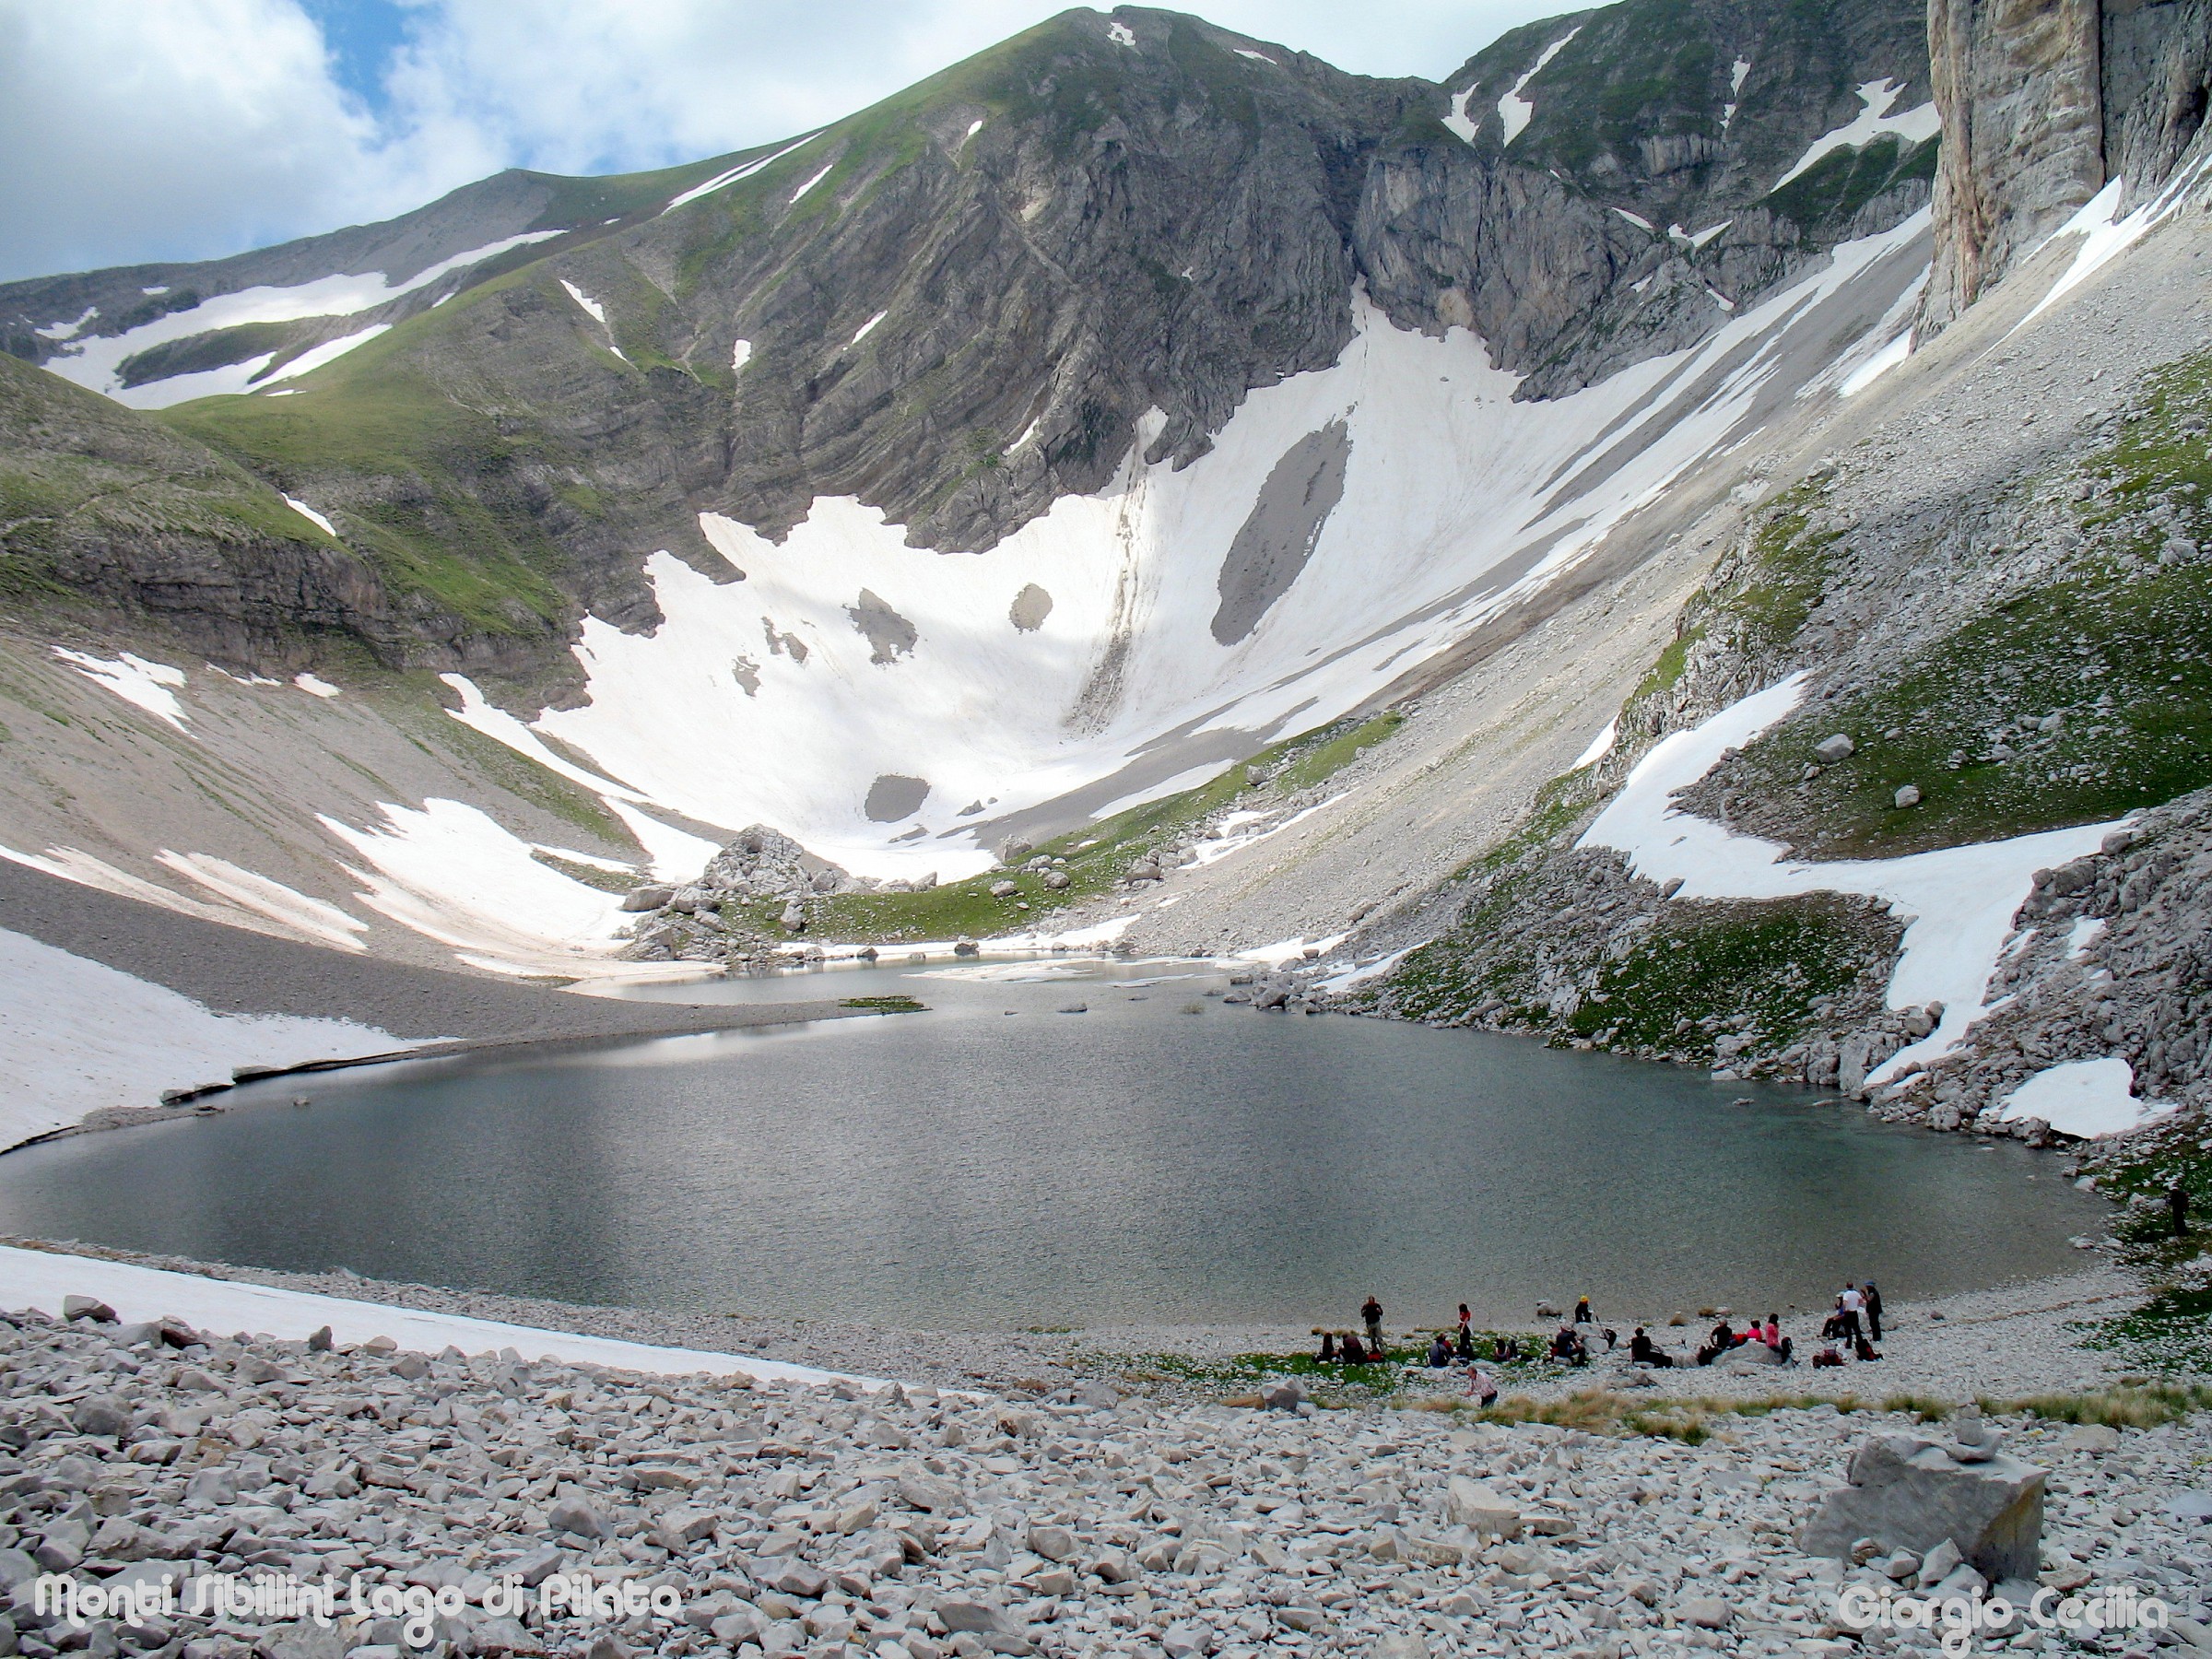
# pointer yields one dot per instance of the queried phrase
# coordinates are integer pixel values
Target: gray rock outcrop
(2042, 106)
(1911, 1494)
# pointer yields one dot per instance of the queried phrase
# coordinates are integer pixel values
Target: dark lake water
(995, 1163)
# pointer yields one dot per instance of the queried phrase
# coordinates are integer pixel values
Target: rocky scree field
(908, 1524)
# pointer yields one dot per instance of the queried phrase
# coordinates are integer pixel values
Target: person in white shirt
(1852, 1303)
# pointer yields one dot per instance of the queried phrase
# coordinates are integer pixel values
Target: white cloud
(198, 127)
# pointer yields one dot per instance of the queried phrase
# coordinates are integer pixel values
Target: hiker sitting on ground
(1644, 1351)
(1328, 1348)
(1866, 1350)
(1505, 1350)
(1612, 1339)
(1721, 1339)
(1771, 1336)
(1568, 1346)
(1354, 1351)
(1831, 1328)
(1827, 1357)
(1440, 1352)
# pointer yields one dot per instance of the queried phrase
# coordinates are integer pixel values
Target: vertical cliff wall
(2044, 102)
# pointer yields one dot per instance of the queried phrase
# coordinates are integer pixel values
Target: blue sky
(186, 129)
(361, 37)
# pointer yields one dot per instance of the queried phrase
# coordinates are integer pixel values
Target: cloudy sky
(183, 129)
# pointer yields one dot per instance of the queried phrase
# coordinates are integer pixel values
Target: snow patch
(974, 127)
(450, 871)
(1457, 119)
(1915, 126)
(1958, 902)
(2084, 1098)
(809, 185)
(2105, 235)
(1636, 219)
(1513, 110)
(77, 1035)
(2085, 932)
(314, 685)
(42, 1278)
(1120, 34)
(741, 353)
(95, 363)
(868, 327)
(1879, 364)
(1696, 239)
(148, 686)
(1246, 51)
(328, 352)
(477, 712)
(1365, 971)
(1600, 746)
(325, 923)
(1286, 950)
(744, 170)
(1740, 68)
(68, 331)
(597, 313)
(312, 516)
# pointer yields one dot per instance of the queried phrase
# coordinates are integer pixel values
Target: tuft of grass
(884, 1005)
(2140, 1406)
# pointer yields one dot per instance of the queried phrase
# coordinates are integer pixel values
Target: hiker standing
(1851, 1303)
(1873, 1313)
(1370, 1311)
(2177, 1204)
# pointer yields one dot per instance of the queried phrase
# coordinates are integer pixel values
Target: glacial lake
(995, 1163)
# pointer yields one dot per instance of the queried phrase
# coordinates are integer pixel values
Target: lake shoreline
(2004, 1341)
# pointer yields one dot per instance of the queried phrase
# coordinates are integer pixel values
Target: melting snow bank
(77, 1035)
(41, 1279)
(1958, 902)
(2083, 1097)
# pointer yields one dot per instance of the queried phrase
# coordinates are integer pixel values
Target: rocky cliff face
(958, 306)
(2043, 106)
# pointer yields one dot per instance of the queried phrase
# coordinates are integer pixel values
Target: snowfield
(845, 658)
(97, 361)
(40, 1278)
(77, 1035)
(1957, 903)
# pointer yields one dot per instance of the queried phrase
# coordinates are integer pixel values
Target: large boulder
(1476, 1504)
(1908, 1493)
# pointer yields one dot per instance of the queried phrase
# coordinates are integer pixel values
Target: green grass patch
(592, 876)
(1834, 188)
(451, 519)
(495, 764)
(884, 1005)
(1771, 959)
(2125, 663)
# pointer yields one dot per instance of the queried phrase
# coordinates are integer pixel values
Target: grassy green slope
(81, 478)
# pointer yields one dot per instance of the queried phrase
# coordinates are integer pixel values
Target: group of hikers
(1852, 1328)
